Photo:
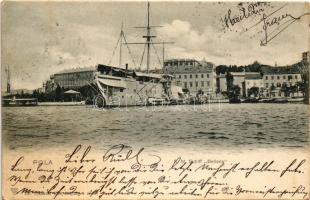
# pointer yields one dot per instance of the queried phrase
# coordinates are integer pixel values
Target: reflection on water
(242, 126)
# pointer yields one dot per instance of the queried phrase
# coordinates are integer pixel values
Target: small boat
(19, 102)
(234, 100)
(296, 100)
(74, 103)
(251, 100)
(280, 101)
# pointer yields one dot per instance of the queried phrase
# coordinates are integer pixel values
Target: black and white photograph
(155, 100)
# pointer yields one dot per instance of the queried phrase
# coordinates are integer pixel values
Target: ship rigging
(147, 45)
(118, 86)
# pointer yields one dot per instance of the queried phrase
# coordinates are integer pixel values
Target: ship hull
(122, 92)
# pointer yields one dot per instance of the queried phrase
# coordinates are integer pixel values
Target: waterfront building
(246, 81)
(192, 75)
(253, 80)
(239, 80)
(275, 78)
(221, 83)
(306, 56)
(71, 78)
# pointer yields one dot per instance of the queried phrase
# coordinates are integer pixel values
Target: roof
(247, 75)
(180, 59)
(279, 70)
(113, 82)
(186, 69)
(71, 92)
(152, 75)
(200, 67)
(76, 70)
(237, 73)
(221, 75)
(253, 75)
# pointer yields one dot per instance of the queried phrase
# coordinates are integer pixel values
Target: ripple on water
(30, 136)
(218, 138)
(236, 126)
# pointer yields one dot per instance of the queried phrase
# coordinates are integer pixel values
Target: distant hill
(299, 67)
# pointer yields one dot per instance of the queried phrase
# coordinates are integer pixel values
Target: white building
(192, 75)
(246, 81)
(221, 83)
(278, 80)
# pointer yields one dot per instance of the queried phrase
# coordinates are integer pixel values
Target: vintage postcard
(155, 100)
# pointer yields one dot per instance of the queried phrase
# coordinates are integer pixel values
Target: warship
(118, 86)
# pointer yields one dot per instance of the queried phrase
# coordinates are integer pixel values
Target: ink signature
(273, 23)
(279, 22)
(251, 10)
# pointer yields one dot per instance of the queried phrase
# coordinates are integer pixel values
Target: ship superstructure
(119, 86)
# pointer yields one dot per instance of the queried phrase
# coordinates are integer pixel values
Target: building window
(201, 75)
(190, 76)
(202, 84)
(208, 83)
(179, 76)
(266, 77)
(196, 75)
(278, 77)
(266, 85)
(296, 77)
(207, 75)
(185, 84)
(190, 84)
(196, 84)
(121, 90)
(271, 77)
(185, 76)
(284, 77)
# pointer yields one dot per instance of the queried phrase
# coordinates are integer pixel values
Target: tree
(58, 92)
(305, 81)
(286, 90)
(229, 81)
(301, 87)
(234, 92)
(253, 90)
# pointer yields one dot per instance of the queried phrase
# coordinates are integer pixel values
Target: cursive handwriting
(251, 10)
(123, 171)
(270, 24)
(279, 23)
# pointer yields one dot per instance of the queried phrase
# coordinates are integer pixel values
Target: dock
(20, 102)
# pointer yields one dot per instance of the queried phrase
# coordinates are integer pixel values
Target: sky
(42, 38)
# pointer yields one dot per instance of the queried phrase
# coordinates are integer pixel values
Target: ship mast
(120, 40)
(149, 37)
(120, 46)
(8, 86)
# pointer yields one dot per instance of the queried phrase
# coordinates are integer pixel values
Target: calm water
(242, 126)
